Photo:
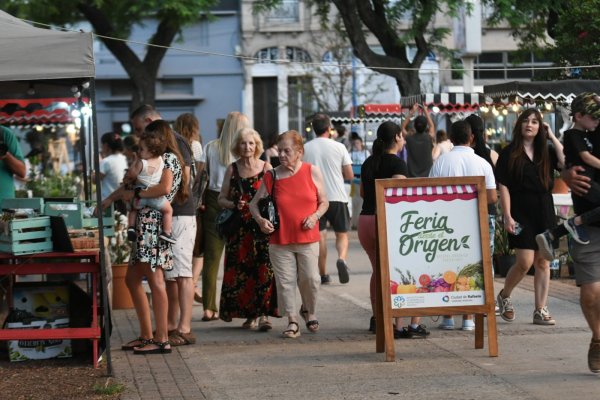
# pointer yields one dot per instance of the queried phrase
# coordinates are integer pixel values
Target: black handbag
(267, 206)
(229, 220)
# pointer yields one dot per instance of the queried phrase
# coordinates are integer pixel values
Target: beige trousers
(296, 266)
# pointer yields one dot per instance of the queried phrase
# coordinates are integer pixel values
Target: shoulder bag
(229, 220)
(267, 205)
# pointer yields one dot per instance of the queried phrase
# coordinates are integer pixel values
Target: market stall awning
(446, 102)
(553, 91)
(29, 112)
(362, 117)
(30, 53)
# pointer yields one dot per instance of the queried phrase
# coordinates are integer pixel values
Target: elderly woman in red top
(294, 246)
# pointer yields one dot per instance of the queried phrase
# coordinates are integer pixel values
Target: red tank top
(296, 199)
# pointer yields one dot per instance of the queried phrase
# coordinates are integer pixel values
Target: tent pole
(104, 261)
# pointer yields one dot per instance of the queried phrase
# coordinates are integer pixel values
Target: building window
(338, 56)
(175, 86)
(297, 55)
(267, 55)
(500, 64)
(286, 11)
(294, 54)
(300, 102)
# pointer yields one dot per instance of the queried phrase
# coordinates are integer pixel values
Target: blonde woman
(248, 289)
(217, 157)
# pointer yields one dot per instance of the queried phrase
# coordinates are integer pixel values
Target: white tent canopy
(29, 53)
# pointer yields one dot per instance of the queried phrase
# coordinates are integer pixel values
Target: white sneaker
(447, 324)
(468, 325)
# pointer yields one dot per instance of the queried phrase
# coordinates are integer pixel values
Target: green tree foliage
(567, 32)
(396, 25)
(115, 18)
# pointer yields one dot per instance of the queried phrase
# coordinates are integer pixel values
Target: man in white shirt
(462, 161)
(334, 161)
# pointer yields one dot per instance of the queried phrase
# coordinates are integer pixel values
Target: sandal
(187, 338)
(161, 348)
(214, 317)
(250, 323)
(313, 325)
(135, 343)
(264, 324)
(291, 332)
(176, 339)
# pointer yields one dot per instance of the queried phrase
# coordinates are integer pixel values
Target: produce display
(467, 278)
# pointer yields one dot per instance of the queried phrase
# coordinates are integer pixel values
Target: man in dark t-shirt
(587, 257)
(419, 146)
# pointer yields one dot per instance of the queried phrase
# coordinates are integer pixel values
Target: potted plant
(119, 250)
(560, 187)
(504, 256)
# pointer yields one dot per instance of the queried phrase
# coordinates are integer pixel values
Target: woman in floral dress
(248, 289)
(153, 256)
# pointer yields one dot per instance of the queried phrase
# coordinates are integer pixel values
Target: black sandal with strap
(130, 346)
(161, 348)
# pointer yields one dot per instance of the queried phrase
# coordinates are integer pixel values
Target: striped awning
(430, 193)
(29, 112)
(530, 92)
(446, 102)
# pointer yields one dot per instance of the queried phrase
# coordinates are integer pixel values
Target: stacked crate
(22, 229)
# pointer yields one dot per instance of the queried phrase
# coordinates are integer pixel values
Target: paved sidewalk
(339, 362)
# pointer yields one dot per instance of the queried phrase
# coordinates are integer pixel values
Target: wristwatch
(137, 191)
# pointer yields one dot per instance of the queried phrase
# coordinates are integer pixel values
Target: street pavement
(340, 362)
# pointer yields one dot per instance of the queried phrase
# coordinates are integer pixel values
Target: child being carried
(146, 172)
(585, 110)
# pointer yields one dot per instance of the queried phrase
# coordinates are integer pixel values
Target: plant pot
(502, 263)
(560, 187)
(121, 299)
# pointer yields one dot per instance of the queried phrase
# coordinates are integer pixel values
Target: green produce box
(79, 215)
(36, 204)
(26, 235)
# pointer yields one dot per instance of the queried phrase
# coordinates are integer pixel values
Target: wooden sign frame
(432, 190)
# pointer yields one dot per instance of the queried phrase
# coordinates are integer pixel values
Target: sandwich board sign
(433, 254)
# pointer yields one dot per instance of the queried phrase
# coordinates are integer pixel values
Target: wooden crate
(75, 216)
(35, 203)
(26, 236)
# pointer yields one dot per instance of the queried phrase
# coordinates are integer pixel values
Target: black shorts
(338, 216)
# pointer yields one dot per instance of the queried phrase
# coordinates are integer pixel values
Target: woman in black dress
(524, 176)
